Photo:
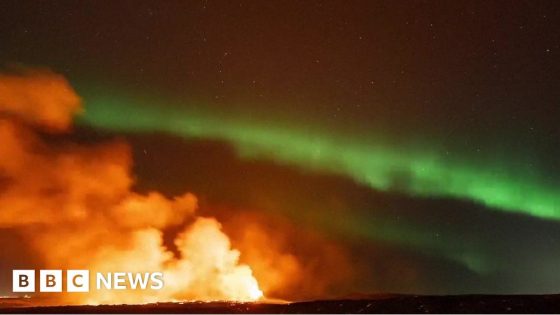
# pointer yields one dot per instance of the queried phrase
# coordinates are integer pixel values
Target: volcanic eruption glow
(76, 207)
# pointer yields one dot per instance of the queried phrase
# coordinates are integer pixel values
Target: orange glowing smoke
(40, 97)
(75, 205)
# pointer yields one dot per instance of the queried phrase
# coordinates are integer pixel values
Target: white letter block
(50, 281)
(77, 281)
(23, 280)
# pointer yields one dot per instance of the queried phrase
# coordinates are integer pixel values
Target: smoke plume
(75, 206)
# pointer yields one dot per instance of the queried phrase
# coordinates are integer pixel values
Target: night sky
(420, 139)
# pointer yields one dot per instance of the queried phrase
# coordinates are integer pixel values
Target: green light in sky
(417, 172)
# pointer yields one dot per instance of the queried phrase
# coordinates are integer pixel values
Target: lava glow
(75, 206)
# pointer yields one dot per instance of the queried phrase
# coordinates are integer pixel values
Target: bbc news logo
(79, 280)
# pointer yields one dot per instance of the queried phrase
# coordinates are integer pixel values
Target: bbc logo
(50, 281)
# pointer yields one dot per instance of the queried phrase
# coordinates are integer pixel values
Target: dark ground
(385, 304)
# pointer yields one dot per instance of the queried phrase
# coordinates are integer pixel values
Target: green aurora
(414, 171)
(425, 173)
